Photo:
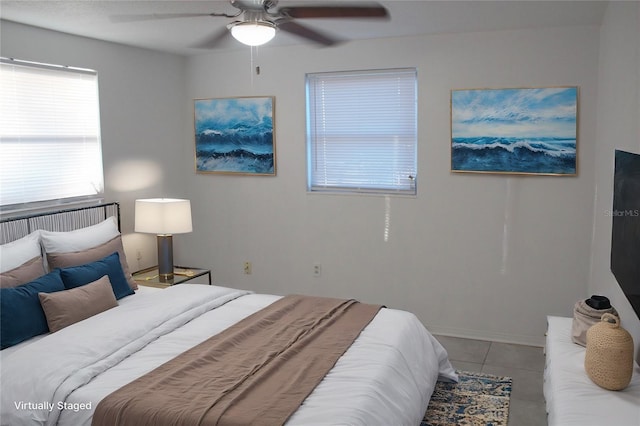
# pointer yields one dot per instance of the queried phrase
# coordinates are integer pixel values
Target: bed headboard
(59, 220)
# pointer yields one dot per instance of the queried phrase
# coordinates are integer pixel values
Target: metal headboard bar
(60, 220)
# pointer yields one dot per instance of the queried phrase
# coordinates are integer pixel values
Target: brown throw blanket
(256, 372)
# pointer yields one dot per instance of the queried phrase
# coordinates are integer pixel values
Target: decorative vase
(609, 357)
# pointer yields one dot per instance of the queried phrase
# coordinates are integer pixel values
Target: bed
(385, 377)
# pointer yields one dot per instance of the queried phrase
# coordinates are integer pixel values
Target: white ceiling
(91, 18)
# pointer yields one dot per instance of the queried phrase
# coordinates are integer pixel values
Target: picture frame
(235, 135)
(529, 131)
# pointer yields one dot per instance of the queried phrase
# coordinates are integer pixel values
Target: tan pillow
(67, 307)
(63, 260)
(25, 273)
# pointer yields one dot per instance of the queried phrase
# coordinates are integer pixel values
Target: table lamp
(163, 217)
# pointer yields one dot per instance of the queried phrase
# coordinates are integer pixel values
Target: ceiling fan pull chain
(253, 67)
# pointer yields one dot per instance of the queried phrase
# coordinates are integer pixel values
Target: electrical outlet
(247, 268)
(139, 255)
(317, 269)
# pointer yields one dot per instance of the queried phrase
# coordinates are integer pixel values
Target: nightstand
(181, 274)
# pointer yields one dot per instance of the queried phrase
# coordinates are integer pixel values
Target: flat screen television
(625, 235)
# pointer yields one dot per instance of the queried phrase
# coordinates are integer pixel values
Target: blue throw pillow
(76, 276)
(21, 315)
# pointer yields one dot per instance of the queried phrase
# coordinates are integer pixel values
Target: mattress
(386, 377)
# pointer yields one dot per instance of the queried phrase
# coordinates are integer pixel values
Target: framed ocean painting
(235, 135)
(521, 131)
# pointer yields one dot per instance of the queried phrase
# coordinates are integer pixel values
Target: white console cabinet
(571, 397)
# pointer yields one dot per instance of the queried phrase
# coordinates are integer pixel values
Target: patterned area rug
(477, 399)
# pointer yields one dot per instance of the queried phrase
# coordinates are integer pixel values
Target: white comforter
(385, 378)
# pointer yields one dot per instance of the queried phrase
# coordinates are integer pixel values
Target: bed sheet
(386, 377)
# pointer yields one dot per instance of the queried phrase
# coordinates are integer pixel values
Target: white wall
(618, 128)
(471, 255)
(142, 114)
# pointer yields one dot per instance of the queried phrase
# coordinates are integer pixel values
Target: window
(50, 145)
(362, 131)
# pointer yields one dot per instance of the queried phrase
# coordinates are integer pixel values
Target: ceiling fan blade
(213, 40)
(154, 16)
(366, 10)
(306, 32)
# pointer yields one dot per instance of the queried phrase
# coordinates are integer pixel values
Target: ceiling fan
(259, 21)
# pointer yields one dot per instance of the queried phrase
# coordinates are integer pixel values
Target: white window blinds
(362, 131)
(50, 145)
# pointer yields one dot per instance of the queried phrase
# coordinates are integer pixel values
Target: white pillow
(18, 252)
(79, 239)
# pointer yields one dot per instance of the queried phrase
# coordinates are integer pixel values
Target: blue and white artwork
(235, 135)
(531, 131)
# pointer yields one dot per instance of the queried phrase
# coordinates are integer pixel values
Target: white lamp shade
(253, 33)
(163, 216)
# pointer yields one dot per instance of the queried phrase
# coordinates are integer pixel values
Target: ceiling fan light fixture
(253, 33)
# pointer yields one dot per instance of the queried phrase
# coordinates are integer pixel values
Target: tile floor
(524, 364)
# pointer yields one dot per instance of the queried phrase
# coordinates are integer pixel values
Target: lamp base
(165, 257)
